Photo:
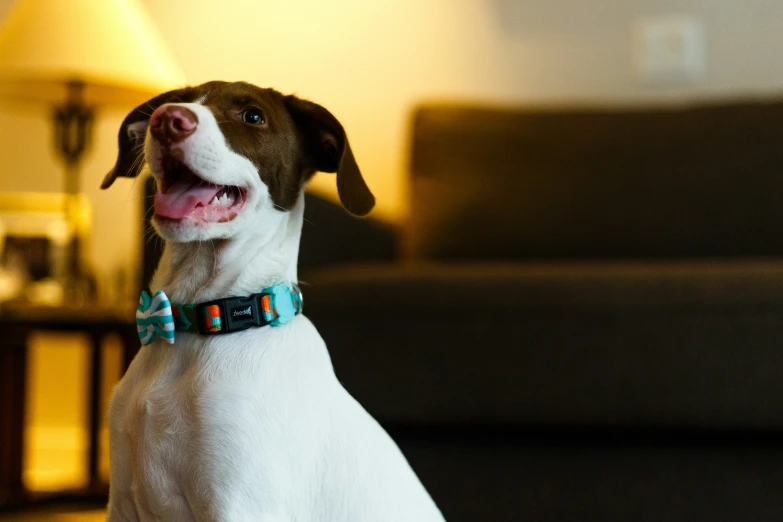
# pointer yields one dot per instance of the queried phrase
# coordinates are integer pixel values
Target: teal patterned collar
(273, 306)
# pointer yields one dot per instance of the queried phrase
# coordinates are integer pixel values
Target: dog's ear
(327, 150)
(131, 138)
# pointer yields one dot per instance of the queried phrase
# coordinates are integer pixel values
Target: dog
(252, 425)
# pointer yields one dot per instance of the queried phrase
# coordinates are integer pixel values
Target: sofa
(582, 318)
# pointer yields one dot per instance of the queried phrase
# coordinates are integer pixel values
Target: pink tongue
(183, 197)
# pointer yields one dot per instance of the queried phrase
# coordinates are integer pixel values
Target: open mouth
(184, 194)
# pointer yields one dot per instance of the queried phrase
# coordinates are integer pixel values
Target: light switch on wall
(670, 50)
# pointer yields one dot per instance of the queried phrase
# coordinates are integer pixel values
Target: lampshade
(112, 46)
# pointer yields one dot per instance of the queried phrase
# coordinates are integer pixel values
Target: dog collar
(273, 306)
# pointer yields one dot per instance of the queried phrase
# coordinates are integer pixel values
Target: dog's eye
(252, 116)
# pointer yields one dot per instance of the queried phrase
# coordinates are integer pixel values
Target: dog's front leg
(116, 514)
(240, 497)
(240, 466)
(122, 507)
(239, 516)
(227, 506)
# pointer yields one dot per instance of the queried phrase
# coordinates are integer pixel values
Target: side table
(16, 326)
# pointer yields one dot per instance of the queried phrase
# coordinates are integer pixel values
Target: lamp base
(72, 130)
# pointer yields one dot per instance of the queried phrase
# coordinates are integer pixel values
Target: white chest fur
(252, 426)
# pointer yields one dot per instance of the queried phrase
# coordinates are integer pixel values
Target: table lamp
(78, 55)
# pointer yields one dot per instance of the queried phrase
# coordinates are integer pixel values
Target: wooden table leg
(95, 413)
(130, 347)
(13, 373)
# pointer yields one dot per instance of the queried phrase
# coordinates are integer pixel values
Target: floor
(56, 516)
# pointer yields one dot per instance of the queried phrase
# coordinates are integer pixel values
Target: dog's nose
(173, 123)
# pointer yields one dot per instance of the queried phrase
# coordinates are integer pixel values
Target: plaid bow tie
(154, 317)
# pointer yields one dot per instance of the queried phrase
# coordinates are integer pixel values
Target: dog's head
(227, 156)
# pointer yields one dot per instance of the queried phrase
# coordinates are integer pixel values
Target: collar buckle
(228, 315)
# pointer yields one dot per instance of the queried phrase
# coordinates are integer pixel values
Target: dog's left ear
(131, 138)
(327, 149)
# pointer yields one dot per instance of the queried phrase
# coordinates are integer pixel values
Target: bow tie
(154, 317)
(274, 306)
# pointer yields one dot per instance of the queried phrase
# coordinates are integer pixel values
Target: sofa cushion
(664, 344)
(601, 183)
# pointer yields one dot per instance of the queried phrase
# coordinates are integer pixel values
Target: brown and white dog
(254, 425)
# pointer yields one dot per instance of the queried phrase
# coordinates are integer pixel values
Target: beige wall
(371, 61)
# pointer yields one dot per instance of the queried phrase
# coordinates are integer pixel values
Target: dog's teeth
(214, 201)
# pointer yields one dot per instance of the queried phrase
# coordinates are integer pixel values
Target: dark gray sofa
(583, 318)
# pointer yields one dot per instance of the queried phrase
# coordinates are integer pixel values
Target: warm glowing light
(56, 439)
(43, 214)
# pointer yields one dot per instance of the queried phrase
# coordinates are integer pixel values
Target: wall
(370, 62)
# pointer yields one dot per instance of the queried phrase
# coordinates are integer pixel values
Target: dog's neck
(245, 264)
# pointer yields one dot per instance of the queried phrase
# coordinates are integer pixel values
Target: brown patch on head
(271, 144)
(286, 138)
